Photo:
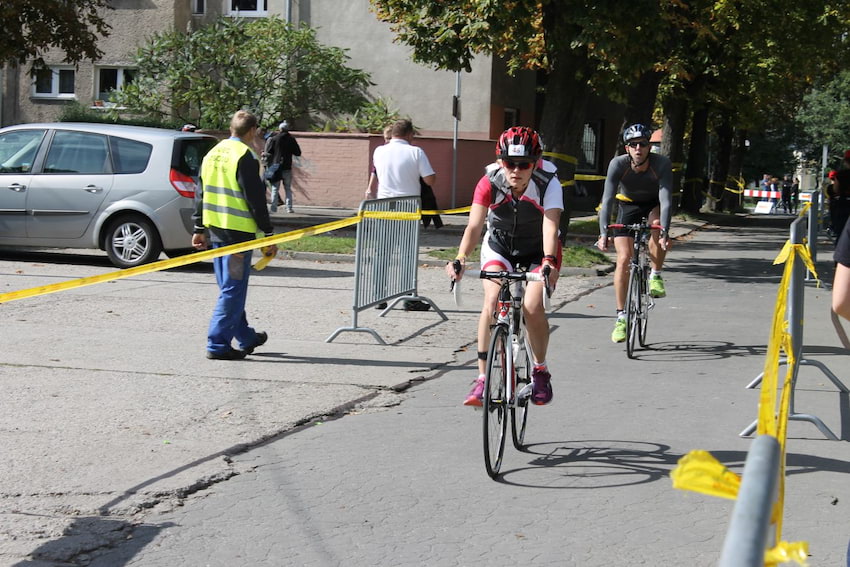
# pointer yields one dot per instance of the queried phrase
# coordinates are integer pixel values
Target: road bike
(638, 299)
(507, 383)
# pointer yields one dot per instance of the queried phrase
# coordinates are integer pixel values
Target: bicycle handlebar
(637, 226)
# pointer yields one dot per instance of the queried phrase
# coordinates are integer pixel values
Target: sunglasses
(637, 144)
(520, 165)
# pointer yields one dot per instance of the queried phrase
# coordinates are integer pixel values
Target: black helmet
(636, 131)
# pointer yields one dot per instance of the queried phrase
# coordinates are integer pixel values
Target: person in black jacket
(280, 149)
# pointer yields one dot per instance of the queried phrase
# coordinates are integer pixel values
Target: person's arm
(551, 244)
(372, 186)
(612, 179)
(248, 177)
(296, 149)
(665, 197)
(841, 291)
(430, 179)
(471, 235)
(199, 237)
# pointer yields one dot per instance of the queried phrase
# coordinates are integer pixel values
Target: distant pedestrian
(839, 210)
(795, 195)
(280, 150)
(786, 194)
(230, 209)
(841, 281)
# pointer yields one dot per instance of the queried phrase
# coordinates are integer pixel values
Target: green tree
(266, 65)
(579, 45)
(824, 117)
(30, 28)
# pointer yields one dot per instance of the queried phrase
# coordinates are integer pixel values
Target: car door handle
(93, 189)
(17, 187)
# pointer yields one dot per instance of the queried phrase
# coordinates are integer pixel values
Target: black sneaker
(232, 354)
(416, 305)
(262, 337)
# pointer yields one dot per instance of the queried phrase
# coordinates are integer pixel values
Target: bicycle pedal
(524, 393)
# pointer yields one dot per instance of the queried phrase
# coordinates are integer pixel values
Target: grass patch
(321, 244)
(583, 257)
(583, 227)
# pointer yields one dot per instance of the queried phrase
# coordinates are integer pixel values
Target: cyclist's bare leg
(656, 253)
(485, 320)
(623, 245)
(536, 323)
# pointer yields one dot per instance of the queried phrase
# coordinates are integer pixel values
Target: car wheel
(131, 241)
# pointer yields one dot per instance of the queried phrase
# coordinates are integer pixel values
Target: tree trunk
(675, 110)
(562, 124)
(720, 197)
(640, 103)
(736, 165)
(694, 184)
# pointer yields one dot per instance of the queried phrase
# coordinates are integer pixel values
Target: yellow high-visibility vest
(224, 204)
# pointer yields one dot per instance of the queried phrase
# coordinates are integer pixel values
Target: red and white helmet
(519, 142)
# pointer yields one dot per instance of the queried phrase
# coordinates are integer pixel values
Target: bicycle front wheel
(643, 314)
(495, 401)
(519, 408)
(633, 310)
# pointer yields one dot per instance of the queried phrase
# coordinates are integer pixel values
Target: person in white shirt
(399, 165)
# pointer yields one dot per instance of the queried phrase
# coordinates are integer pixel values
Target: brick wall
(335, 168)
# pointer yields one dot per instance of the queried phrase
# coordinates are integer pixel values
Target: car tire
(131, 241)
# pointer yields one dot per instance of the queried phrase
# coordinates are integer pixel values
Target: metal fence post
(748, 534)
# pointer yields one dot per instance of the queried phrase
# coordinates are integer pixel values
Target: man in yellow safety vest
(231, 208)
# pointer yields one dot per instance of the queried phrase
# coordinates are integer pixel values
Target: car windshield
(18, 150)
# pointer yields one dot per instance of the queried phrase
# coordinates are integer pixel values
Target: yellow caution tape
(621, 197)
(699, 471)
(563, 157)
(584, 177)
(216, 252)
(786, 551)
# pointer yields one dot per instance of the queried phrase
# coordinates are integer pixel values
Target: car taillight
(184, 184)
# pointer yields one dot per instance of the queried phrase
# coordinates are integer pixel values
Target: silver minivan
(127, 190)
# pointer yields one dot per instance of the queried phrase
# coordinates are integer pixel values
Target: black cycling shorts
(633, 213)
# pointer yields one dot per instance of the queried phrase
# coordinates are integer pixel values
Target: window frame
(259, 13)
(55, 71)
(590, 146)
(199, 7)
(120, 82)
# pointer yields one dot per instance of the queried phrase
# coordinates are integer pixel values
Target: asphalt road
(123, 445)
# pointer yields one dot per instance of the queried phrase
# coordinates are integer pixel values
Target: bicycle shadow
(696, 350)
(592, 464)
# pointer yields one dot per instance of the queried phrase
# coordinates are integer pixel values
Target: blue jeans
(286, 180)
(228, 319)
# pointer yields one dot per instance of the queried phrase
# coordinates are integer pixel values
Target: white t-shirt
(399, 166)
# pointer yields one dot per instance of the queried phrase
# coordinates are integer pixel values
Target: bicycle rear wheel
(495, 402)
(633, 310)
(519, 407)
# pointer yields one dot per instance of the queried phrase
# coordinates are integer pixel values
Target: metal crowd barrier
(796, 296)
(749, 534)
(386, 259)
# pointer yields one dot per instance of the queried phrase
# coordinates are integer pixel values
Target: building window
(249, 8)
(53, 82)
(198, 7)
(588, 159)
(111, 79)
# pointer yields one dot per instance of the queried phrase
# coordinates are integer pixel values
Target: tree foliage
(824, 116)
(30, 28)
(268, 66)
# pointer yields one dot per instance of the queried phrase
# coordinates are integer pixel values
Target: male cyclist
(521, 201)
(642, 182)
